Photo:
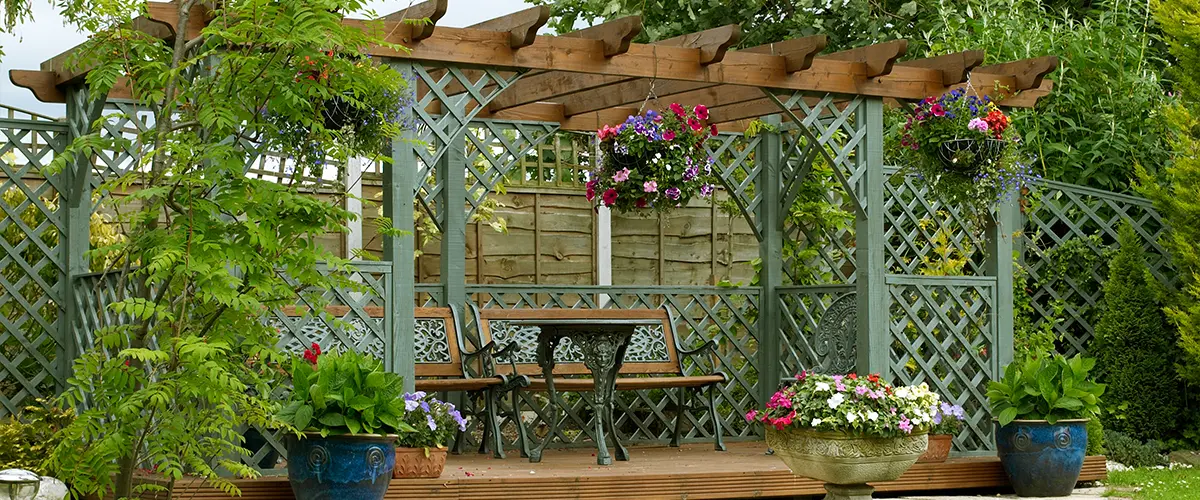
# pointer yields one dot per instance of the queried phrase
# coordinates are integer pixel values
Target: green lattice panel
(812, 340)
(734, 165)
(701, 313)
(924, 234)
(813, 255)
(943, 334)
(494, 149)
(32, 264)
(1056, 213)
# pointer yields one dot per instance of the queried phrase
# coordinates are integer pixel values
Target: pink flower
(650, 187)
(695, 124)
(677, 109)
(701, 111)
(622, 175)
(978, 124)
(751, 415)
(937, 110)
(905, 425)
(860, 390)
(610, 197)
(669, 135)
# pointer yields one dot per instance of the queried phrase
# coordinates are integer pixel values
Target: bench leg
(680, 414)
(493, 427)
(522, 438)
(718, 435)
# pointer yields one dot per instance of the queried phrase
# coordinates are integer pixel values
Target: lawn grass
(1179, 483)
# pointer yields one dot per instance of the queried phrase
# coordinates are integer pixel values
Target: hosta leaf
(303, 417)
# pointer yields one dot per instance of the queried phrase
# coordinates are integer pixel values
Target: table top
(585, 322)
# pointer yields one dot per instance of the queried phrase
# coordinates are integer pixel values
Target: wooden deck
(691, 472)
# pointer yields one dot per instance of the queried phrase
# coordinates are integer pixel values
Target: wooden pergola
(502, 74)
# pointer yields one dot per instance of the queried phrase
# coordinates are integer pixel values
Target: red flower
(714, 130)
(669, 135)
(873, 378)
(852, 376)
(610, 197)
(127, 362)
(677, 109)
(641, 203)
(937, 110)
(695, 124)
(316, 349)
(701, 111)
(591, 190)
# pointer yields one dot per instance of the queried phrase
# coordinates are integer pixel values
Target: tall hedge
(1135, 349)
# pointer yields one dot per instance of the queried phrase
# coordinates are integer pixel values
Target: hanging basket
(338, 114)
(966, 156)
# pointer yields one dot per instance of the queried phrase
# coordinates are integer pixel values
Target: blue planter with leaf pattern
(1041, 459)
(341, 467)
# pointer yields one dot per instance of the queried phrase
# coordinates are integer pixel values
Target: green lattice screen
(943, 333)
(1058, 215)
(926, 236)
(723, 314)
(808, 346)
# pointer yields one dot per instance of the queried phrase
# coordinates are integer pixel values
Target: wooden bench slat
(456, 384)
(627, 383)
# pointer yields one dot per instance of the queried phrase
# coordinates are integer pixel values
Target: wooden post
(873, 308)
(999, 264)
(353, 240)
(451, 174)
(399, 188)
(770, 249)
(76, 239)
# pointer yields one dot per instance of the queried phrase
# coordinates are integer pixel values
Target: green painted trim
(399, 186)
(816, 289)
(588, 289)
(907, 279)
(40, 125)
(999, 266)
(874, 316)
(769, 156)
(451, 174)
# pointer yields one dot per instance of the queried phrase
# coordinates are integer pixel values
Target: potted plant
(847, 430)
(422, 452)
(654, 162)
(947, 422)
(965, 147)
(1041, 409)
(347, 413)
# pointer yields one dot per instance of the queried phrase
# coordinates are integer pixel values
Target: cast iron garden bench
(654, 359)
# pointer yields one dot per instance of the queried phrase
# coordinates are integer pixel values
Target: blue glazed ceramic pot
(341, 467)
(1042, 460)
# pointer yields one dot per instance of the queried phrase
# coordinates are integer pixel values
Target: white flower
(872, 416)
(657, 155)
(851, 417)
(816, 422)
(836, 400)
(822, 386)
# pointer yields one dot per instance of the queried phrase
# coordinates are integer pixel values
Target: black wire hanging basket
(338, 113)
(967, 156)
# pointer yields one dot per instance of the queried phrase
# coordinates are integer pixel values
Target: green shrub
(1095, 432)
(28, 440)
(1135, 350)
(1129, 451)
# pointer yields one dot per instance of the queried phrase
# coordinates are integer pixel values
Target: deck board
(691, 472)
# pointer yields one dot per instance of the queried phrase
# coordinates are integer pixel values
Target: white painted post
(354, 237)
(603, 240)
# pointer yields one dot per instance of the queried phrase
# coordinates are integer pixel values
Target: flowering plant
(947, 419)
(654, 161)
(341, 393)
(858, 405)
(966, 148)
(436, 423)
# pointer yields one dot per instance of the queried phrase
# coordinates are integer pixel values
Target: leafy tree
(1106, 107)
(1135, 349)
(208, 249)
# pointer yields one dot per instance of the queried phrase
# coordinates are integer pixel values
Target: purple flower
(432, 423)
(860, 390)
(691, 173)
(905, 424)
(672, 193)
(706, 190)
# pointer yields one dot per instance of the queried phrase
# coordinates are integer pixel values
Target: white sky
(47, 36)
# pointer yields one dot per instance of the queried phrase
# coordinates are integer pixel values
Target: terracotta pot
(939, 449)
(842, 458)
(416, 462)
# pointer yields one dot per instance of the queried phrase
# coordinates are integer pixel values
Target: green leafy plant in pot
(1042, 408)
(347, 412)
(848, 430)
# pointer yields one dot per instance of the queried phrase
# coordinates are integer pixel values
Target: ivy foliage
(209, 250)
(1135, 349)
(1106, 110)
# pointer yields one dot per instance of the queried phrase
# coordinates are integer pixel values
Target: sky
(46, 36)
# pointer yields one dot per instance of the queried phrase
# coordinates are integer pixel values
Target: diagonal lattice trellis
(701, 313)
(33, 263)
(1061, 215)
(926, 236)
(943, 334)
(802, 311)
(494, 149)
(733, 160)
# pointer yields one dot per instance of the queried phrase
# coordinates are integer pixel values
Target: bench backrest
(435, 336)
(652, 350)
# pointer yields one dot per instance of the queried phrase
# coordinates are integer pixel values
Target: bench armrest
(709, 347)
(509, 352)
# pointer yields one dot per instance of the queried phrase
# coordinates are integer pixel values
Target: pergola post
(451, 175)
(1000, 246)
(871, 275)
(770, 214)
(75, 202)
(399, 188)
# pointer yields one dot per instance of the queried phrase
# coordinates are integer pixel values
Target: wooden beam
(616, 35)
(954, 67)
(713, 43)
(798, 52)
(432, 10)
(43, 84)
(167, 13)
(1026, 73)
(521, 26)
(879, 58)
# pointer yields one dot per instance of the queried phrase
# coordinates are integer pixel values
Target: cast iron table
(602, 344)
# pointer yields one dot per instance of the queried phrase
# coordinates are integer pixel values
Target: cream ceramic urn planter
(846, 462)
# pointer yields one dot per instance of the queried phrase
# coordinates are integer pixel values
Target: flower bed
(858, 405)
